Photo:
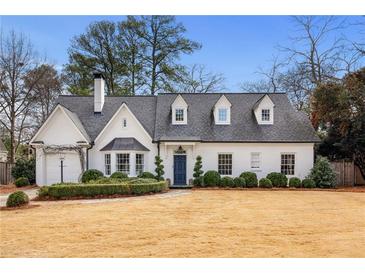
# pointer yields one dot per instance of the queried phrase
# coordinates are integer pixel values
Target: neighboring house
(3, 152)
(233, 132)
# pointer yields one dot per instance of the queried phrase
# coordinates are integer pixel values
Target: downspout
(158, 148)
(87, 154)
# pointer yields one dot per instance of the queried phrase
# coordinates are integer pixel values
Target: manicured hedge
(119, 175)
(278, 179)
(295, 182)
(226, 182)
(147, 174)
(265, 183)
(17, 198)
(211, 178)
(308, 183)
(91, 174)
(250, 178)
(22, 181)
(91, 190)
(239, 182)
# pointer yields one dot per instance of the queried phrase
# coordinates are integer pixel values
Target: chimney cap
(98, 74)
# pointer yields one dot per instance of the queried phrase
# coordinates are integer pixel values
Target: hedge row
(91, 190)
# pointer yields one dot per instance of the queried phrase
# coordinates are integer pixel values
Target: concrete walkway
(32, 193)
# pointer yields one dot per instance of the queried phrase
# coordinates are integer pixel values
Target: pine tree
(159, 168)
(198, 179)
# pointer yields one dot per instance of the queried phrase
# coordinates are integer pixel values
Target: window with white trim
(123, 162)
(179, 115)
(139, 163)
(265, 114)
(255, 160)
(222, 115)
(225, 164)
(288, 163)
(107, 163)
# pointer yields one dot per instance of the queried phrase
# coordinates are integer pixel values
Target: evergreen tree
(198, 179)
(322, 174)
(159, 168)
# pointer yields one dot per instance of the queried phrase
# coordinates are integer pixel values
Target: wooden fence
(5, 173)
(347, 173)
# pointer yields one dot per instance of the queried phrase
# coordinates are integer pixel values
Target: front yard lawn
(204, 223)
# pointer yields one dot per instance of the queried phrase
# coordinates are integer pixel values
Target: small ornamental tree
(198, 171)
(322, 173)
(159, 168)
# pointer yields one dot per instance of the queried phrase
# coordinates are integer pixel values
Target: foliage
(308, 183)
(239, 182)
(322, 173)
(24, 168)
(265, 183)
(17, 198)
(250, 178)
(21, 181)
(146, 174)
(211, 178)
(92, 190)
(278, 179)
(197, 181)
(43, 191)
(159, 168)
(226, 181)
(119, 175)
(91, 174)
(295, 182)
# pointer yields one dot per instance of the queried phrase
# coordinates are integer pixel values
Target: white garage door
(71, 168)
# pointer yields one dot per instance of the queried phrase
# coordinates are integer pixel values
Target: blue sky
(233, 45)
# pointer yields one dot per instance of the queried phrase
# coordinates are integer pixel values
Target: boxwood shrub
(211, 178)
(119, 175)
(265, 183)
(147, 174)
(295, 182)
(308, 183)
(226, 181)
(198, 182)
(21, 181)
(278, 179)
(91, 174)
(17, 198)
(239, 182)
(250, 178)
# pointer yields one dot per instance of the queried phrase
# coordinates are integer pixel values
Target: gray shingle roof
(154, 113)
(124, 144)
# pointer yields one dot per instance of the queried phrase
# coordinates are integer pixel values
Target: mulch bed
(342, 189)
(48, 198)
(18, 207)
(5, 189)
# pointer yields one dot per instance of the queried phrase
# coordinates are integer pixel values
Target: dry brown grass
(201, 224)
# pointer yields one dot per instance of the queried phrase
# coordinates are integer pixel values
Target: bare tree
(17, 58)
(196, 79)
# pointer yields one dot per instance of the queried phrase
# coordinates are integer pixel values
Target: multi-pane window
(222, 115)
(255, 160)
(225, 164)
(265, 114)
(179, 115)
(107, 163)
(139, 163)
(123, 162)
(288, 163)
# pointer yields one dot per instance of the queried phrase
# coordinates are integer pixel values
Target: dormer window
(265, 115)
(222, 115)
(179, 111)
(179, 115)
(222, 111)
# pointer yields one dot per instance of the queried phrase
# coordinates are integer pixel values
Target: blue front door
(179, 169)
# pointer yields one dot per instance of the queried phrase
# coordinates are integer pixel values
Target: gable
(223, 104)
(265, 103)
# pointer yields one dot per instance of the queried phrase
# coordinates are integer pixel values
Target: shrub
(211, 178)
(239, 182)
(43, 191)
(146, 174)
(250, 178)
(295, 182)
(21, 181)
(226, 182)
(143, 181)
(104, 181)
(159, 168)
(198, 172)
(140, 189)
(17, 198)
(265, 183)
(322, 174)
(308, 183)
(119, 175)
(198, 182)
(91, 174)
(278, 179)
(24, 168)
